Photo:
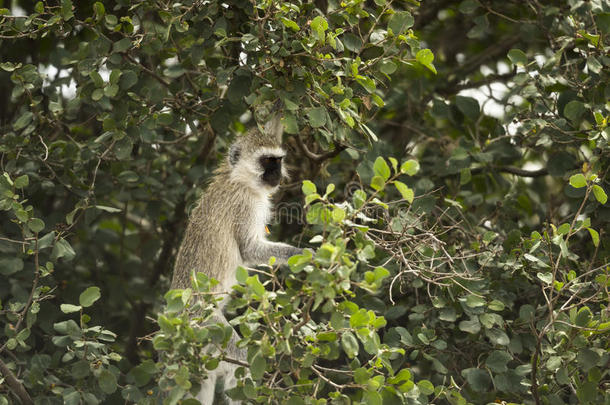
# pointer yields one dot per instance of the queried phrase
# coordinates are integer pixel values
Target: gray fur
(227, 229)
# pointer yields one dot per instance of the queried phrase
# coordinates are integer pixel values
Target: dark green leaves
(477, 379)
(317, 117)
(574, 110)
(468, 106)
(400, 21)
(36, 225)
(497, 361)
(66, 9)
(257, 367)
(107, 382)
(10, 266)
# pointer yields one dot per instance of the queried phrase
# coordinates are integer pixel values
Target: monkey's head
(255, 159)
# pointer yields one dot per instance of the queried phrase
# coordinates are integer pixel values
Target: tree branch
(15, 384)
(512, 170)
(314, 156)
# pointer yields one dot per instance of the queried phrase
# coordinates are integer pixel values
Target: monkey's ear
(234, 153)
(274, 127)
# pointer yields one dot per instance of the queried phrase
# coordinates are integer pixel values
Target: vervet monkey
(227, 228)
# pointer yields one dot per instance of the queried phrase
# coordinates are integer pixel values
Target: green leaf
(477, 379)
(587, 392)
(388, 67)
(71, 397)
(598, 192)
(96, 78)
(10, 266)
(308, 187)
(241, 274)
(352, 42)
(594, 236)
(69, 308)
(97, 94)
(89, 296)
(122, 45)
(497, 337)
(400, 21)
(338, 214)
(290, 124)
(256, 285)
(66, 9)
(546, 277)
(381, 168)
(111, 90)
(317, 117)
(496, 305)
(99, 10)
(319, 25)
(410, 167)
(349, 344)
(290, 24)
(468, 6)
(377, 183)
(425, 387)
(594, 65)
(23, 181)
(578, 180)
(425, 57)
(468, 106)
(574, 110)
(498, 360)
(406, 192)
(474, 301)
(258, 367)
(587, 358)
(23, 121)
(107, 382)
(36, 225)
(107, 209)
(472, 326)
(527, 312)
(583, 317)
(517, 57)
(371, 397)
(366, 82)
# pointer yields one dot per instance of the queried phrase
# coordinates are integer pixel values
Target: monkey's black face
(272, 166)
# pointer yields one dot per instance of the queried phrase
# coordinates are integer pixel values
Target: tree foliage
(449, 171)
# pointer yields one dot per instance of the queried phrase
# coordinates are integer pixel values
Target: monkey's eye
(271, 160)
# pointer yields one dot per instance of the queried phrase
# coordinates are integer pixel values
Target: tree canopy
(449, 171)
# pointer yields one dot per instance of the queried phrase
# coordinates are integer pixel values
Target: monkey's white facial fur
(261, 171)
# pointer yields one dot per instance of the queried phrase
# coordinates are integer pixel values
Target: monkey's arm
(258, 251)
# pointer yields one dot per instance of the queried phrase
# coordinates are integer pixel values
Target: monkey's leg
(206, 395)
(226, 369)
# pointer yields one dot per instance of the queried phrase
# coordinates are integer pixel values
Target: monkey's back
(210, 244)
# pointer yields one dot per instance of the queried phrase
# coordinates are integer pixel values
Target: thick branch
(314, 156)
(15, 384)
(454, 88)
(512, 170)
